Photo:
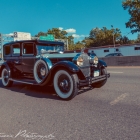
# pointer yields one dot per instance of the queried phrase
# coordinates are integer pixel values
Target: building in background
(125, 50)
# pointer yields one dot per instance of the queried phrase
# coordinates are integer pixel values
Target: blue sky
(78, 17)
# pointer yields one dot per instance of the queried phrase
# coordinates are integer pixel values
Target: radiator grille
(86, 65)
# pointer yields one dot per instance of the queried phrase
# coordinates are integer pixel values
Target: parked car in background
(38, 62)
(114, 54)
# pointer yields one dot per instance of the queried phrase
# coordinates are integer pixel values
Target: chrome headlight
(95, 60)
(80, 61)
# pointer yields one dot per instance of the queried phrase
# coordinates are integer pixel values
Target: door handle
(16, 62)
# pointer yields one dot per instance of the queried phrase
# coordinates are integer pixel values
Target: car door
(16, 57)
(28, 57)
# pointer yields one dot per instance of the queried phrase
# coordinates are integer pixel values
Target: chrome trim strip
(20, 81)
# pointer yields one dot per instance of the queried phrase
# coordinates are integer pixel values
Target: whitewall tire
(65, 84)
(5, 78)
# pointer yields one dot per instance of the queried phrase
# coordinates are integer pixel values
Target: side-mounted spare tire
(5, 78)
(65, 84)
(40, 71)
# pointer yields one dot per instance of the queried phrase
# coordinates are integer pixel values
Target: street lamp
(113, 37)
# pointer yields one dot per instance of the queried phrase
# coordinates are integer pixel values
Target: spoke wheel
(5, 78)
(65, 84)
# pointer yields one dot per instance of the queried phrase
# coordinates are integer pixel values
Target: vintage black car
(38, 62)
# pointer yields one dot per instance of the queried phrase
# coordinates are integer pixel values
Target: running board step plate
(25, 81)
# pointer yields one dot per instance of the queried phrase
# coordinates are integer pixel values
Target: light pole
(113, 36)
(1, 44)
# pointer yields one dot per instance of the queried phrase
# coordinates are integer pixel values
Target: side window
(16, 49)
(137, 48)
(106, 50)
(7, 50)
(28, 48)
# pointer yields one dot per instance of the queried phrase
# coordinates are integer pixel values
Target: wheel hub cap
(42, 71)
(64, 83)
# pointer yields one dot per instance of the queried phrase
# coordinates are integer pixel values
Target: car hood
(63, 55)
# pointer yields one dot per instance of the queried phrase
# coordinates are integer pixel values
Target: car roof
(36, 42)
(115, 53)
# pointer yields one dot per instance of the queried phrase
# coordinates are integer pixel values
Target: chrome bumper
(91, 80)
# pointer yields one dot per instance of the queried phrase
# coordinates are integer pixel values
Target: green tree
(133, 7)
(138, 39)
(79, 45)
(88, 41)
(41, 34)
(101, 37)
(124, 40)
(59, 34)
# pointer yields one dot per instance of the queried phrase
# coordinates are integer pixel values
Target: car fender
(48, 62)
(102, 63)
(70, 66)
(66, 65)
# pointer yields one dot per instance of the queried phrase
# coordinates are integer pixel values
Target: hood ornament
(82, 50)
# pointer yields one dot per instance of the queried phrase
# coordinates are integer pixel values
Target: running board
(25, 81)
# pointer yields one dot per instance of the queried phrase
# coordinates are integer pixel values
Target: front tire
(65, 84)
(100, 84)
(5, 78)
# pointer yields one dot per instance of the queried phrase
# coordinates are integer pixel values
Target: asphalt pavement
(108, 113)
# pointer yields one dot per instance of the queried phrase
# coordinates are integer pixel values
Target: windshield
(49, 49)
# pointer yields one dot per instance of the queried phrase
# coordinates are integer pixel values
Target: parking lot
(108, 113)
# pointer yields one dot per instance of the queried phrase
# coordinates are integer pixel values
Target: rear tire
(100, 84)
(5, 78)
(65, 84)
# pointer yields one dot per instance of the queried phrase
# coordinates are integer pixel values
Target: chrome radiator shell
(85, 68)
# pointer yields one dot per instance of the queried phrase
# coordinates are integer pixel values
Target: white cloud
(71, 30)
(11, 34)
(83, 35)
(76, 36)
(61, 28)
(79, 36)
